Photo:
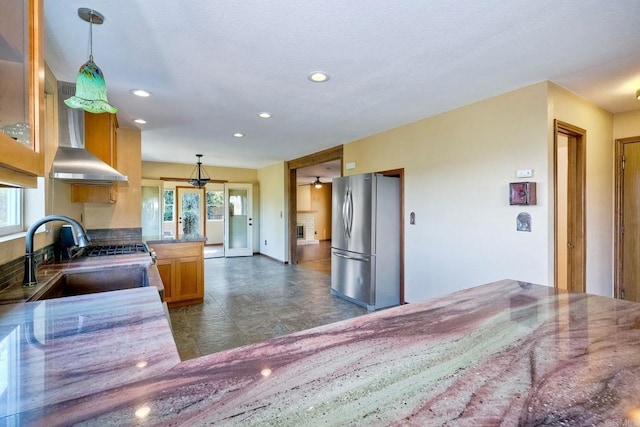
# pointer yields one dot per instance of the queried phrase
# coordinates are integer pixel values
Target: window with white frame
(215, 205)
(11, 211)
(169, 206)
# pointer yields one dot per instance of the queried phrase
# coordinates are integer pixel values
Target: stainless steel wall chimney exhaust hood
(72, 162)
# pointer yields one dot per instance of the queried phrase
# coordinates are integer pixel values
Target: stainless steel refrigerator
(365, 240)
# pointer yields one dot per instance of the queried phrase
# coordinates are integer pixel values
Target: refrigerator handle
(345, 214)
(350, 257)
(350, 212)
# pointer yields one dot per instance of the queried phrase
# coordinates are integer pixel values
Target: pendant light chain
(91, 36)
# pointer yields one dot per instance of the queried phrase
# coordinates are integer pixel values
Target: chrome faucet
(29, 264)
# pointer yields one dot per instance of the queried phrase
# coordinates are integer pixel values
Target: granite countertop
(48, 273)
(506, 353)
(60, 349)
(159, 239)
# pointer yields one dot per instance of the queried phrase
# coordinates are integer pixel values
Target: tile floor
(252, 299)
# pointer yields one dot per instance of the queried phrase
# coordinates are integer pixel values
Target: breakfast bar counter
(507, 353)
(59, 349)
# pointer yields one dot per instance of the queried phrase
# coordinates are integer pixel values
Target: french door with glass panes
(190, 204)
(238, 221)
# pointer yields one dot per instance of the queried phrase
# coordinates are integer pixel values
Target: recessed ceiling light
(264, 115)
(318, 76)
(238, 135)
(141, 93)
(140, 121)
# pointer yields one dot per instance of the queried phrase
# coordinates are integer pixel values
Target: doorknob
(569, 245)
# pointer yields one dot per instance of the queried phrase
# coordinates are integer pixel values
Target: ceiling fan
(317, 183)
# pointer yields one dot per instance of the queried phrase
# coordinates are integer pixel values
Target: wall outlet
(351, 165)
(265, 242)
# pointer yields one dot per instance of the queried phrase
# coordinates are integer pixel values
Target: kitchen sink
(89, 282)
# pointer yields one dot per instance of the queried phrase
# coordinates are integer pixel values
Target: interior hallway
(252, 299)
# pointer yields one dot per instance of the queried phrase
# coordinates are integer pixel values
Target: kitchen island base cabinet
(181, 267)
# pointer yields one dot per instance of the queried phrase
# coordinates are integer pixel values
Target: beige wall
(458, 166)
(273, 225)
(570, 108)
(126, 213)
(156, 170)
(457, 169)
(626, 125)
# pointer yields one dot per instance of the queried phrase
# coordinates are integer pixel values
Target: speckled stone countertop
(506, 353)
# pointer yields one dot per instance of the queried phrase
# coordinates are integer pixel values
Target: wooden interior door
(628, 219)
(570, 228)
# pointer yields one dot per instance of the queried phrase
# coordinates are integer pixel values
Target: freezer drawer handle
(350, 257)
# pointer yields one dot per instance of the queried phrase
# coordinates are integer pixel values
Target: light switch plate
(524, 173)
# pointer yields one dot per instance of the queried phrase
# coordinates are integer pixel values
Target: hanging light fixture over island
(91, 89)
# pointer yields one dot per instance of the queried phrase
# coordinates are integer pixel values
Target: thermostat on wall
(524, 173)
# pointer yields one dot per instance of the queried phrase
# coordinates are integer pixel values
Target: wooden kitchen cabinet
(21, 93)
(181, 267)
(100, 139)
(93, 193)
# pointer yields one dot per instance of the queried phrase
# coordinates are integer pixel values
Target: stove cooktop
(107, 250)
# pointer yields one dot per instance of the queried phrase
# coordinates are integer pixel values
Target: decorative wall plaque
(522, 193)
(523, 222)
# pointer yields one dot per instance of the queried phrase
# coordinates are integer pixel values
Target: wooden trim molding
(400, 174)
(213, 181)
(619, 213)
(576, 205)
(327, 155)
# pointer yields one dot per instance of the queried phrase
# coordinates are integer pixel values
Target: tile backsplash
(115, 236)
(13, 271)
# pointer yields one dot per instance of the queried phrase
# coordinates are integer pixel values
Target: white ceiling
(324, 171)
(212, 66)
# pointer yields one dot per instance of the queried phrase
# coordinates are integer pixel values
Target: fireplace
(300, 231)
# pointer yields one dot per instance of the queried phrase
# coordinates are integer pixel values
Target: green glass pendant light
(91, 89)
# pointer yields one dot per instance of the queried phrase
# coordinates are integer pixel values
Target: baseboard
(270, 257)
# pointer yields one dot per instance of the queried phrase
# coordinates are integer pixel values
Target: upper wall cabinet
(21, 93)
(100, 139)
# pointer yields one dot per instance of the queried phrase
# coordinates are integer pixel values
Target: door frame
(291, 184)
(576, 205)
(235, 252)
(399, 173)
(618, 213)
(335, 153)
